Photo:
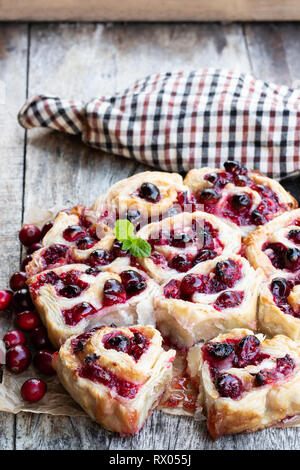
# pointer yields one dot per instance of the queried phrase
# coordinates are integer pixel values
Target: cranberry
(34, 247)
(93, 271)
(172, 289)
(133, 215)
(75, 314)
(55, 254)
(85, 243)
(181, 239)
(6, 297)
(241, 180)
(240, 201)
(190, 284)
(228, 299)
(18, 280)
(70, 291)
(235, 167)
(258, 218)
(204, 255)
(227, 271)
(219, 350)
(113, 292)
(73, 233)
(116, 251)
(27, 320)
(294, 235)
(33, 390)
(118, 342)
(181, 263)
(39, 338)
(158, 259)
(26, 261)
(43, 361)
(99, 258)
(18, 358)
(29, 234)
(229, 386)
(13, 338)
(279, 287)
(212, 178)
(292, 258)
(209, 196)
(247, 351)
(22, 300)
(285, 365)
(133, 282)
(46, 229)
(150, 192)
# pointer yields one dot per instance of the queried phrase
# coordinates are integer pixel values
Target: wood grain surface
(45, 169)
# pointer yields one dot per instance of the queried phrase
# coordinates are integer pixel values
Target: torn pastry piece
(246, 382)
(215, 297)
(181, 242)
(145, 197)
(244, 198)
(73, 298)
(276, 245)
(279, 305)
(117, 375)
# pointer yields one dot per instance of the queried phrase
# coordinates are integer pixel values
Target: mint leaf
(124, 230)
(127, 244)
(140, 248)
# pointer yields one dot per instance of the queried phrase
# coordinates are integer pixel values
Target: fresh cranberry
(46, 229)
(18, 280)
(204, 255)
(27, 320)
(228, 299)
(182, 262)
(279, 287)
(229, 386)
(258, 218)
(33, 390)
(219, 350)
(209, 196)
(73, 233)
(113, 292)
(22, 300)
(26, 261)
(13, 338)
(292, 258)
(235, 167)
(18, 358)
(29, 234)
(247, 351)
(34, 247)
(99, 258)
(43, 361)
(133, 282)
(190, 284)
(118, 342)
(240, 201)
(228, 271)
(85, 243)
(70, 291)
(6, 297)
(150, 192)
(172, 289)
(39, 338)
(294, 235)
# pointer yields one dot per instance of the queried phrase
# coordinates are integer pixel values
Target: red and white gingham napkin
(178, 121)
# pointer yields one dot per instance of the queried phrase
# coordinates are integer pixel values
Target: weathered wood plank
(13, 61)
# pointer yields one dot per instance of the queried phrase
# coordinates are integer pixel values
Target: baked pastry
(181, 242)
(276, 245)
(279, 305)
(117, 375)
(145, 197)
(246, 382)
(215, 297)
(243, 198)
(74, 298)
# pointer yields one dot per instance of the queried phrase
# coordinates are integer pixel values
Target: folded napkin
(181, 120)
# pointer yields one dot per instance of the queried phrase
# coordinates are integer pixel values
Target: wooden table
(43, 169)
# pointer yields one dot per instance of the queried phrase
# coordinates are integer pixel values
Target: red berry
(18, 358)
(39, 338)
(33, 390)
(34, 247)
(27, 320)
(18, 280)
(22, 300)
(29, 234)
(25, 261)
(6, 297)
(43, 361)
(13, 338)
(46, 229)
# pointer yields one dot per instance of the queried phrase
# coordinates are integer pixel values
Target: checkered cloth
(178, 121)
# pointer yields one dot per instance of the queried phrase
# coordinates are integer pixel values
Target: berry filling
(73, 233)
(284, 367)
(133, 282)
(66, 284)
(113, 292)
(229, 299)
(281, 288)
(75, 314)
(282, 257)
(134, 346)
(55, 255)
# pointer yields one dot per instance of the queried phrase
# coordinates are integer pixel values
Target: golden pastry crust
(275, 231)
(227, 241)
(123, 195)
(185, 323)
(259, 406)
(51, 305)
(103, 401)
(196, 182)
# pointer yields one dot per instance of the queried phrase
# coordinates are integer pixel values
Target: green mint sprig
(124, 231)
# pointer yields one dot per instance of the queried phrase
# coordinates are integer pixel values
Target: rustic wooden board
(154, 10)
(88, 60)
